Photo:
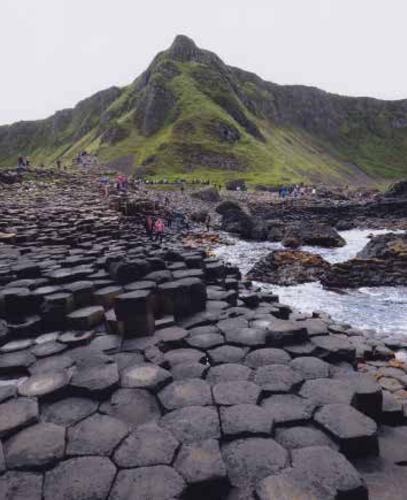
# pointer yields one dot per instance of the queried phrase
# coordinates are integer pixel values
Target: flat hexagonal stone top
(97, 379)
(96, 435)
(356, 433)
(145, 376)
(235, 393)
(16, 345)
(44, 384)
(244, 420)
(69, 411)
(310, 367)
(76, 337)
(228, 372)
(267, 356)
(82, 478)
(193, 423)
(145, 446)
(35, 447)
(159, 482)
(288, 409)
(325, 391)
(177, 356)
(232, 324)
(300, 437)
(21, 486)
(226, 354)
(51, 364)
(277, 378)
(48, 349)
(192, 392)
(251, 460)
(246, 337)
(172, 334)
(205, 340)
(133, 406)
(318, 473)
(200, 462)
(16, 414)
(185, 371)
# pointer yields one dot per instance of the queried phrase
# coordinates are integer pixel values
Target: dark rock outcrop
(397, 190)
(210, 194)
(289, 267)
(312, 234)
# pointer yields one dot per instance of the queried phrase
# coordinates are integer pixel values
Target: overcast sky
(57, 52)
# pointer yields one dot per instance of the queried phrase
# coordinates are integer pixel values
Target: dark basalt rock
(45, 385)
(355, 433)
(83, 477)
(183, 393)
(68, 411)
(236, 393)
(133, 406)
(318, 473)
(158, 482)
(313, 234)
(16, 414)
(244, 420)
(147, 445)
(21, 485)
(193, 423)
(289, 267)
(96, 435)
(228, 372)
(36, 447)
(201, 462)
(145, 376)
(288, 409)
(97, 381)
(251, 460)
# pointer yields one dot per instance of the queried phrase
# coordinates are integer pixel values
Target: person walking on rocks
(159, 230)
(208, 222)
(149, 228)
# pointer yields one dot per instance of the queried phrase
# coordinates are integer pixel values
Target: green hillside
(191, 115)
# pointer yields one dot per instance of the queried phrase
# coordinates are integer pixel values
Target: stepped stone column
(136, 311)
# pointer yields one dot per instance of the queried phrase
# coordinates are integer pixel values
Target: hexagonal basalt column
(136, 311)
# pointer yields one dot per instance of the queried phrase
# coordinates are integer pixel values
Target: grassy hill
(191, 115)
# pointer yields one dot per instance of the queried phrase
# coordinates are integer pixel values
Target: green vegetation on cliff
(190, 115)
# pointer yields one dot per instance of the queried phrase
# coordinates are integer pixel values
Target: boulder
(313, 234)
(209, 194)
(289, 267)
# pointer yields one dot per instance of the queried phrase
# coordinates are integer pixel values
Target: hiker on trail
(27, 161)
(20, 162)
(59, 164)
(169, 218)
(208, 222)
(149, 227)
(159, 230)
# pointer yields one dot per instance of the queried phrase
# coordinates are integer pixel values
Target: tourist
(208, 222)
(149, 227)
(159, 230)
(169, 217)
(20, 162)
(27, 161)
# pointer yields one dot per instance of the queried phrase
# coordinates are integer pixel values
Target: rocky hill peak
(183, 48)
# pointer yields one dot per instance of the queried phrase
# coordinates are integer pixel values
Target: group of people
(296, 191)
(155, 229)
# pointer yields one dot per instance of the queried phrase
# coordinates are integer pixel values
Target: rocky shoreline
(132, 370)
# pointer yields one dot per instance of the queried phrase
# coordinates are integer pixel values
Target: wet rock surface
(139, 371)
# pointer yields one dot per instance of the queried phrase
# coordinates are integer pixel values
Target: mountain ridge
(190, 114)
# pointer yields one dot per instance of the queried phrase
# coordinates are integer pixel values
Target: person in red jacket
(159, 230)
